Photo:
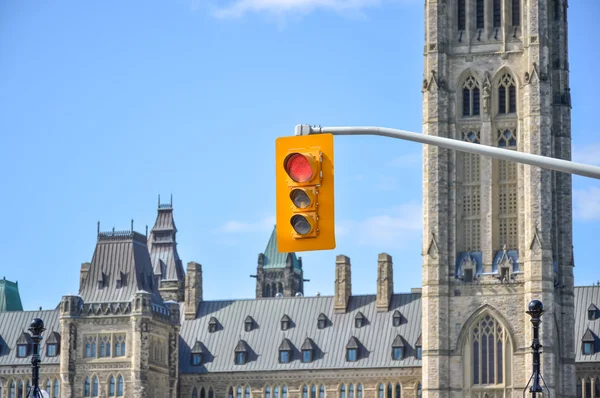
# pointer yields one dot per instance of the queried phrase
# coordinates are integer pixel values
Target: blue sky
(105, 105)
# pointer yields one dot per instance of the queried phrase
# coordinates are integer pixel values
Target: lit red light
(298, 167)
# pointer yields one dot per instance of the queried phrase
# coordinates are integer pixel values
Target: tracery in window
(507, 193)
(507, 94)
(471, 98)
(470, 194)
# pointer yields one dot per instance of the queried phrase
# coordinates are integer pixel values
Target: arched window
(342, 391)
(247, 395)
(276, 392)
(507, 94)
(419, 390)
(479, 14)
(305, 391)
(313, 391)
(194, 393)
(351, 391)
(211, 393)
(380, 391)
(398, 391)
(56, 391)
(321, 391)
(359, 391)
(284, 392)
(20, 389)
(470, 195)
(267, 392)
(389, 391)
(11, 389)
(588, 387)
(48, 386)
(239, 392)
(86, 387)
(95, 387)
(230, 393)
(202, 393)
(488, 351)
(280, 288)
(471, 97)
(120, 387)
(111, 386)
(579, 392)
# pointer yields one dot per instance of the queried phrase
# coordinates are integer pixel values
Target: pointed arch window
(419, 390)
(313, 391)
(343, 391)
(194, 393)
(588, 387)
(267, 392)
(56, 391)
(202, 393)
(120, 387)
(111, 386)
(380, 391)
(247, 392)
(211, 393)
(359, 391)
(322, 391)
(48, 386)
(95, 386)
(86, 387)
(489, 348)
(398, 391)
(230, 393)
(389, 390)
(507, 94)
(470, 196)
(470, 97)
(305, 391)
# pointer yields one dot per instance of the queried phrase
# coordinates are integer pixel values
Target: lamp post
(36, 327)
(535, 311)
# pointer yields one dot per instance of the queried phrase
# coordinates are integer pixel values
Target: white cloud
(234, 226)
(588, 154)
(586, 204)
(394, 226)
(282, 7)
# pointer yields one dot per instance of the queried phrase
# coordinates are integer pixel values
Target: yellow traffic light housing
(304, 193)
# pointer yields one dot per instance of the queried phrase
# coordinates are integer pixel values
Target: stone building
(496, 236)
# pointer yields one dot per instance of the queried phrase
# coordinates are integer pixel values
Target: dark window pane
(484, 360)
(588, 387)
(398, 391)
(475, 362)
(512, 99)
(466, 102)
(500, 364)
(497, 14)
(502, 99)
(476, 101)
(516, 12)
(491, 359)
(479, 13)
(461, 14)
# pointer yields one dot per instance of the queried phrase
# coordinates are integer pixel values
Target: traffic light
(304, 193)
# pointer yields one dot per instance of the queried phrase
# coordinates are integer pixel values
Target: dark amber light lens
(298, 167)
(300, 224)
(300, 198)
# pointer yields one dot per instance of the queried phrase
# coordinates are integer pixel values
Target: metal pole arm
(545, 162)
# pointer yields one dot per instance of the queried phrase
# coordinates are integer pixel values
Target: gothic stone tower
(278, 272)
(496, 234)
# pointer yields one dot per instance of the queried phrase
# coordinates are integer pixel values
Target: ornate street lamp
(536, 309)
(36, 327)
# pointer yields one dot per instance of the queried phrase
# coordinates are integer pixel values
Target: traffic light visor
(299, 167)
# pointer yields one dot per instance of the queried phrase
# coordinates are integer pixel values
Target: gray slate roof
(12, 326)
(263, 342)
(584, 297)
(119, 252)
(162, 245)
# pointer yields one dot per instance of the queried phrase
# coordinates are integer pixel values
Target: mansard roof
(162, 245)
(10, 299)
(585, 329)
(119, 252)
(272, 258)
(12, 326)
(376, 337)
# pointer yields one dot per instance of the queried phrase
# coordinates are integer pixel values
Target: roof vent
(279, 295)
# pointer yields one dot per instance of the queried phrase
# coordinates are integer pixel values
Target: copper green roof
(274, 259)
(10, 300)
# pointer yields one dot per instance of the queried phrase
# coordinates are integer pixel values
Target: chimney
(85, 269)
(343, 283)
(385, 281)
(193, 289)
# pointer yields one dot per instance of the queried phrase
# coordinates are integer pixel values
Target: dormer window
(588, 348)
(588, 343)
(592, 312)
(322, 321)
(122, 281)
(307, 350)
(212, 325)
(102, 281)
(359, 320)
(398, 348)
(52, 344)
(23, 344)
(285, 323)
(352, 350)
(197, 351)
(248, 324)
(241, 353)
(418, 349)
(396, 318)
(285, 351)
